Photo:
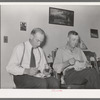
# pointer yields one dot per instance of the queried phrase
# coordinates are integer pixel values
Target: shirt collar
(29, 44)
(67, 47)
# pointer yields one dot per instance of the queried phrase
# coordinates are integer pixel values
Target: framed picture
(23, 26)
(61, 16)
(5, 39)
(94, 33)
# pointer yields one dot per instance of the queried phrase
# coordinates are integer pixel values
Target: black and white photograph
(94, 33)
(43, 50)
(23, 26)
(61, 16)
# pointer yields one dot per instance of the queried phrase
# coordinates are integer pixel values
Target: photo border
(71, 94)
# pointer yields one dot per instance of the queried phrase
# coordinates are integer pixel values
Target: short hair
(35, 30)
(72, 33)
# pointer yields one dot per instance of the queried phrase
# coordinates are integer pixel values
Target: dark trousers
(26, 81)
(88, 76)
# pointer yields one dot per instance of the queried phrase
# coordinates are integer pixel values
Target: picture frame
(61, 16)
(94, 33)
(23, 26)
(5, 39)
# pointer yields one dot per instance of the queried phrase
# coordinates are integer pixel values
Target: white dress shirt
(14, 66)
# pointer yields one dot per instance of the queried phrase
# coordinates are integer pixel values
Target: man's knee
(37, 85)
(43, 85)
(55, 84)
(92, 73)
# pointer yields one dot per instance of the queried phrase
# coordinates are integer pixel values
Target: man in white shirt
(28, 64)
(71, 60)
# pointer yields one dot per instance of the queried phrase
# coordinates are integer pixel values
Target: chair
(94, 63)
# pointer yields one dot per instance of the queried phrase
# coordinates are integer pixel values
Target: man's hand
(47, 70)
(31, 71)
(46, 73)
(88, 64)
(79, 66)
(72, 61)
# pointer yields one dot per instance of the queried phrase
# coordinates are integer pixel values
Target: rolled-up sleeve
(14, 66)
(58, 62)
(83, 55)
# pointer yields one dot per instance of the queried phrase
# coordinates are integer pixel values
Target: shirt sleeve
(14, 66)
(83, 56)
(81, 65)
(58, 62)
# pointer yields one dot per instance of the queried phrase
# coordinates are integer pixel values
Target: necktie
(32, 59)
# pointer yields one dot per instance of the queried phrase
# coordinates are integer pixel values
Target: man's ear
(79, 40)
(31, 36)
(67, 39)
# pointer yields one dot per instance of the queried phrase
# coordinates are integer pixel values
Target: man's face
(73, 40)
(37, 39)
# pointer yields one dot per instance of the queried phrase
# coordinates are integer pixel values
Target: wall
(85, 18)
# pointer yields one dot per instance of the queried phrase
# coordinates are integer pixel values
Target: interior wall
(85, 18)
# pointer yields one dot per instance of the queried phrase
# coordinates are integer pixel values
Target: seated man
(29, 66)
(71, 60)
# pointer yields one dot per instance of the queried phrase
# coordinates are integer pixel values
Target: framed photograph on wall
(61, 16)
(94, 33)
(22, 26)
